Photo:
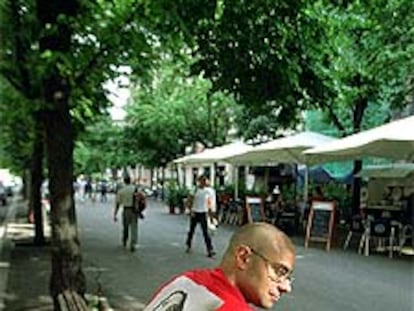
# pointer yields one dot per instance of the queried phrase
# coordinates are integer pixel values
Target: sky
(119, 94)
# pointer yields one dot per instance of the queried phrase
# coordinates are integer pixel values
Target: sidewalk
(4, 256)
(24, 267)
(23, 262)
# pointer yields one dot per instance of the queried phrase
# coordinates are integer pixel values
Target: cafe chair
(380, 230)
(356, 227)
(406, 239)
(407, 235)
(234, 213)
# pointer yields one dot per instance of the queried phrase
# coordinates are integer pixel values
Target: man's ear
(242, 254)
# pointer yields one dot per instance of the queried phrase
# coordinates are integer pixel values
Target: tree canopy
(175, 111)
(363, 56)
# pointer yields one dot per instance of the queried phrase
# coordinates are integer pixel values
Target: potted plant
(182, 194)
(172, 196)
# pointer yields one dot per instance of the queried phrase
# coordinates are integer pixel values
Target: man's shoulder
(216, 282)
(185, 290)
(206, 190)
(200, 274)
(211, 190)
(202, 289)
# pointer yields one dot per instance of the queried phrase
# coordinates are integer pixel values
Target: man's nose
(285, 286)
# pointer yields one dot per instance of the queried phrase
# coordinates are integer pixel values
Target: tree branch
(100, 54)
(13, 82)
(335, 119)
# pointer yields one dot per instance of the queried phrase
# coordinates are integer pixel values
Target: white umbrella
(212, 155)
(282, 150)
(288, 149)
(393, 140)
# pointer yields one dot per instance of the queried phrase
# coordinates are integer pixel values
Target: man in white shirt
(199, 211)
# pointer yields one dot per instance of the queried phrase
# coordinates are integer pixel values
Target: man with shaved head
(256, 269)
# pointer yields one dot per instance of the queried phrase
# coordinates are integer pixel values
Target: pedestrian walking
(256, 269)
(212, 220)
(88, 189)
(103, 189)
(200, 209)
(126, 197)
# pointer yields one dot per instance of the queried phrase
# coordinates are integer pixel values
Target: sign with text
(255, 209)
(320, 223)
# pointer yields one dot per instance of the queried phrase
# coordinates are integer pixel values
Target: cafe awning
(394, 140)
(287, 149)
(397, 170)
(216, 154)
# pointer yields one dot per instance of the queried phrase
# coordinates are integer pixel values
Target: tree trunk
(66, 254)
(177, 175)
(152, 178)
(35, 200)
(359, 110)
(26, 184)
(356, 188)
(163, 183)
(114, 172)
(67, 271)
(139, 175)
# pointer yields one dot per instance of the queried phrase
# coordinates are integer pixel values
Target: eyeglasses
(280, 272)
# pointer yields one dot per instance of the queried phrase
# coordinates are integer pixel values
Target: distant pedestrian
(200, 209)
(103, 189)
(255, 269)
(126, 197)
(88, 189)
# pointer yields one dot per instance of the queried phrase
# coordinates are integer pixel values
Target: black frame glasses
(280, 271)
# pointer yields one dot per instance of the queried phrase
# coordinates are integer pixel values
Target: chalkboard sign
(320, 223)
(255, 209)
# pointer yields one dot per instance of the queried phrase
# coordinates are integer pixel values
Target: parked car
(3, 194)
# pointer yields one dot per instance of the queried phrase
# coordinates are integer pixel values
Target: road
(324, 281)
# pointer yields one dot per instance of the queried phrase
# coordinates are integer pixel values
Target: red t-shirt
(201, 290)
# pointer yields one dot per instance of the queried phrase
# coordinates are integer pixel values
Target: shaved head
(261, 236)
(252, 249)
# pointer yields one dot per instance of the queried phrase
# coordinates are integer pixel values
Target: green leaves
(16, 129)
(174, 112)
(100, 147)
(276, 58)
(361, 57)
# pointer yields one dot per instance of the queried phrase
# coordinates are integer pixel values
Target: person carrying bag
(140, 203)
(126, 197)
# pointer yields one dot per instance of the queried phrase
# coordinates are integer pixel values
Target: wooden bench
(71, 301)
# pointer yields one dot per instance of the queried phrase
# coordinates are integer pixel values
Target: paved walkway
(325, 281)
(7, 215)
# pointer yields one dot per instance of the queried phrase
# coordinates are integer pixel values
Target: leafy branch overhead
(175, 111)
(362, 56)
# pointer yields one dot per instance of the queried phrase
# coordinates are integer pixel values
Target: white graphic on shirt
(183, 294)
